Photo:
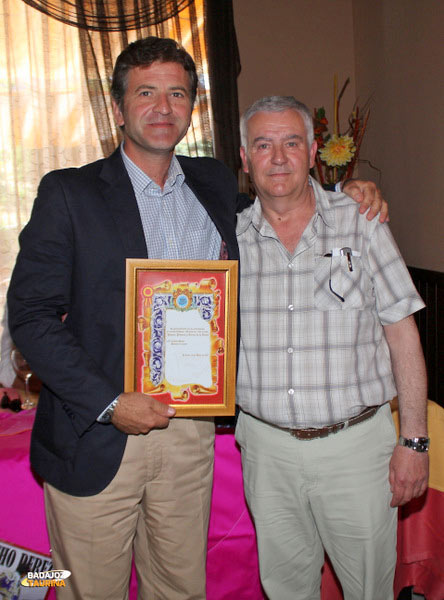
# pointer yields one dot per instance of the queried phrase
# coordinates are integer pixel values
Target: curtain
(47, 121)
(54, 117)
(110, 15)
(98, 20)
(224, 68)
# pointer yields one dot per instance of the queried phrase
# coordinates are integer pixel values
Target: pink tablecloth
(232, 567)
(232, 570)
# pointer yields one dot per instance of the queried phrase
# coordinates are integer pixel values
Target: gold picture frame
(181, 333)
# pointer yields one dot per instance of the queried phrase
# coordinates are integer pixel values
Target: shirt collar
(250, 215)
(324, 206)
(253, 214)
(141, 181)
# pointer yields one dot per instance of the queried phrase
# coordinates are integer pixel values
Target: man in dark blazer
(84, 224)
(109, 487)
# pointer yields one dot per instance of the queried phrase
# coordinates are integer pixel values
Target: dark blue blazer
(84, 224)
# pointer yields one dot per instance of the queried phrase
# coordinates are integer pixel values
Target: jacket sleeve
(39, 297)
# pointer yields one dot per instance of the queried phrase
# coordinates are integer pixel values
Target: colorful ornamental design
(177, 315)
(204, 303)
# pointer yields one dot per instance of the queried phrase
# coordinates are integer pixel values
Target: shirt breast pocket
(341, 283)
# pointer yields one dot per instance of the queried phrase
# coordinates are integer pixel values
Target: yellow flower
(338, 150)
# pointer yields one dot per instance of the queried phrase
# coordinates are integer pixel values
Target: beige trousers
(158, 505)
(331, 493)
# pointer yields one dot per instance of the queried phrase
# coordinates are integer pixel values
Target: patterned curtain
(54, 117)
(47, 121)
(110, 15)
(224, 68)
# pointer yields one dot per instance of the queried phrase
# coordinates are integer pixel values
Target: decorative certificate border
(180, 334)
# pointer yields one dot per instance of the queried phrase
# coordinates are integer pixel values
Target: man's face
(277, 156)
(156, 109)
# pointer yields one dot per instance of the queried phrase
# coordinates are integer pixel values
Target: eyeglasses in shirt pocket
(336, 287)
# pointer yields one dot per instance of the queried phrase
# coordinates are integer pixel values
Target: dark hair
(143, 53)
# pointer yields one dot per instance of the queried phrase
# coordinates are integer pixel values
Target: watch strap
(107, 415)
(419, 444)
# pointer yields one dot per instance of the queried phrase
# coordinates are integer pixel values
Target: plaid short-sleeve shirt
(313, 350)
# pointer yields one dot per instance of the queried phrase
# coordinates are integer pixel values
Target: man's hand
(139, 413)
(368, 195)
(408, 474)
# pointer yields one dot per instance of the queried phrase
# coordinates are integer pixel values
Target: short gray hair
(277, 104)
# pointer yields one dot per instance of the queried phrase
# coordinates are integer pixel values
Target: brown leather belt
(313, 432)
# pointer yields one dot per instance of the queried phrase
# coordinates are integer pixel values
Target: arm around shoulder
(369, 196)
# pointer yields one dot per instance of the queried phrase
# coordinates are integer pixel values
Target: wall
(400, 60)
(393, 51)
(294, 47)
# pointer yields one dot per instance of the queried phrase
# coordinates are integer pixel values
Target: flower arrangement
(338, 153)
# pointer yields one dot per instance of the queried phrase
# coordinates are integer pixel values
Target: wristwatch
(419, 444)
(108, 414)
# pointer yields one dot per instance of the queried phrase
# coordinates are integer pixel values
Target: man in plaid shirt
(327, 340)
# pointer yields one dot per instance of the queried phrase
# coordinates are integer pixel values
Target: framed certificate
(180, 333)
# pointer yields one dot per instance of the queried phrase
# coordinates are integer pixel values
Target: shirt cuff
(338, 186)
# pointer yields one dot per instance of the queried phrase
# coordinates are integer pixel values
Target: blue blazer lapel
(121, 200)
(216, 189)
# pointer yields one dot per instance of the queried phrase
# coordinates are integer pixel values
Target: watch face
(421, 442)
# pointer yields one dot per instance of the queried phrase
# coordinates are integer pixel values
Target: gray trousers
(329, 494)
